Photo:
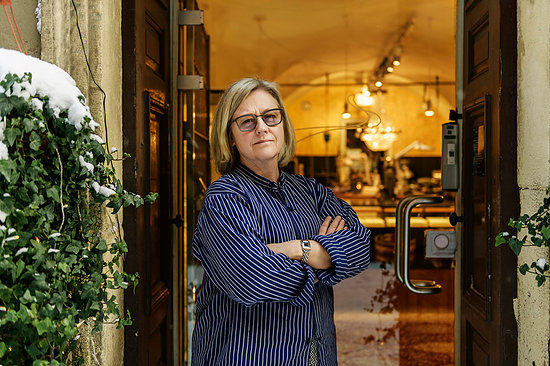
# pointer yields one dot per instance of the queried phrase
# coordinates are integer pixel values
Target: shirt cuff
(339, 260)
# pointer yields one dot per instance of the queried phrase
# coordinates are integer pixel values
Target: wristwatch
(306, 248)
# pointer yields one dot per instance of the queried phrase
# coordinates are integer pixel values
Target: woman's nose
(261, 126)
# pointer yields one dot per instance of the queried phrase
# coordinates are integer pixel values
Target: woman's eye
(248, 122)
(269, 117)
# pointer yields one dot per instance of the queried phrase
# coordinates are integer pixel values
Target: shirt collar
(245, 171)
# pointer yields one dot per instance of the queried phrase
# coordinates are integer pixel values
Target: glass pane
(379, 322)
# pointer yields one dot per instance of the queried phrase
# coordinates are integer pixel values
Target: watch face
(306, 245)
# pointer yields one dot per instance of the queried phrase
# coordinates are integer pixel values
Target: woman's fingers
(341, 225)
(330, 226)
(335, 224)
(324, 226)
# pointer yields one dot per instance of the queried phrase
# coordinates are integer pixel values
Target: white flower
(2, 228)
(541, 262)
(51, 250)
(21, 251)
(90, 154)
(85, 164)
(11, 231)
(505, 233)
(6, 194)
(54, 235)
(3, 216)
(113, 150)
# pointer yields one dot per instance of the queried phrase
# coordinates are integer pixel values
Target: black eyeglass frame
(256, 119)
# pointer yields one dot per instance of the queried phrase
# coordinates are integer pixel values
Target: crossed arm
(319, 258)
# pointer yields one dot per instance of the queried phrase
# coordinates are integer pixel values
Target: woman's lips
(262, 141)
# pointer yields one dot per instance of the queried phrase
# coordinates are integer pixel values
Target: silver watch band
(306, 249)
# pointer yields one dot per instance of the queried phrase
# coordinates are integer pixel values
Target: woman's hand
(330, 226)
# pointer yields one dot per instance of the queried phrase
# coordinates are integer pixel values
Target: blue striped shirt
(257, 307)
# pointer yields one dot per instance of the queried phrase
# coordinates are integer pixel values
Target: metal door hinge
(190, 82)
(191, 17)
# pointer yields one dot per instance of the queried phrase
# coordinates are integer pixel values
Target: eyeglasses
(248, 122)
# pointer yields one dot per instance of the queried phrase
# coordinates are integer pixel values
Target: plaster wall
(100, 26)
(23, 11)
(533, 303)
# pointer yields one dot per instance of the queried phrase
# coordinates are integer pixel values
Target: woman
(272, 244)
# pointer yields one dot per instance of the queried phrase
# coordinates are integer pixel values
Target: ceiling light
(378, 84)
(396, 62)
(364, 98)
(346, 114)
(429, 112)
(389, 69)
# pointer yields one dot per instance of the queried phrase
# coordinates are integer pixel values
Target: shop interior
(368, 86)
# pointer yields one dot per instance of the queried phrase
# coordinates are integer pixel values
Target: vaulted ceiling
(298, 42)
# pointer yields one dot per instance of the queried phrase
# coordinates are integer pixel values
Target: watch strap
(306, 249)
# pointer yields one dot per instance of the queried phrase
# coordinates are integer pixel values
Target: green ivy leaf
(74, 247)
(499, 240)
(11, 134)
(53, 193)
(27, 297)
(19, 266)
(5, 105)
(524, 268)
(515, 245)
(35, 141)
(540, 280)
(3, 347)
(44, 326)
(545, 231)
(6, 168)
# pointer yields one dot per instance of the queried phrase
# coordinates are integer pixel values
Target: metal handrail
(402, 245)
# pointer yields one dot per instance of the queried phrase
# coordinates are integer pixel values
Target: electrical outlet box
(440, 243)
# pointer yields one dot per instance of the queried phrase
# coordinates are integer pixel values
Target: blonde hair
(224, 154)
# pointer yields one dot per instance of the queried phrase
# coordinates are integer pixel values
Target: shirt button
(308, 341)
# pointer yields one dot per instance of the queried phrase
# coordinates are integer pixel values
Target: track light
(346, 114)
(429, 112)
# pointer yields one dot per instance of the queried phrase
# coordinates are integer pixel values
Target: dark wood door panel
(489, 194)
(146, 130)
(476, 228)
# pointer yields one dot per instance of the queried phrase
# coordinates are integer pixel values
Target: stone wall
(100, 26)
(24, 13)
(533, 303)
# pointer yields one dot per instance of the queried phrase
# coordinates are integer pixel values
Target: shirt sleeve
(239, 263)
(349, 249)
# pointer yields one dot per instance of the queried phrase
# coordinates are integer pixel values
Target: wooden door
(146, 136)
(489, 190)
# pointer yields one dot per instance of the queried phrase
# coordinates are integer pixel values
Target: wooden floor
(379, 322)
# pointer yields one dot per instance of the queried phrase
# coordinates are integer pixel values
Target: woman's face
(258, 149)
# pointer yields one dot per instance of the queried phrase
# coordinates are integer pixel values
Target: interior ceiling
(300, 42)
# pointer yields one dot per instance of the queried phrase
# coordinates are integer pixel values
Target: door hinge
(191, 17)
(190, 82)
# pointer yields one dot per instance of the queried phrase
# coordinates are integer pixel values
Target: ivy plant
(537, 234)
(55, 267)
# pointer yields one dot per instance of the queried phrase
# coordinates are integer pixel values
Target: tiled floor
(379, 322)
